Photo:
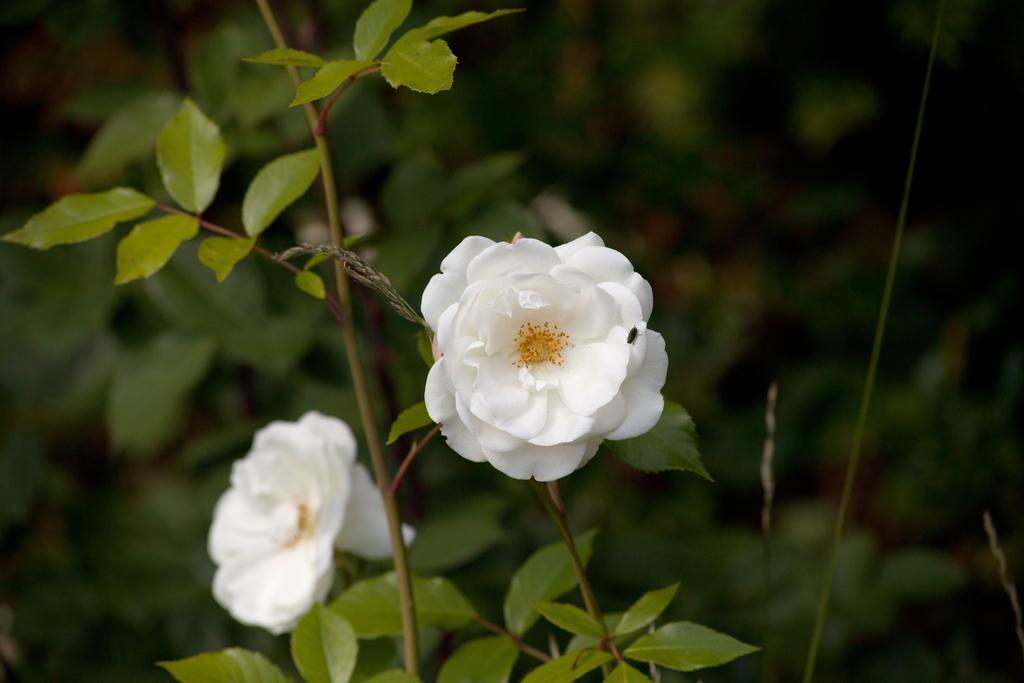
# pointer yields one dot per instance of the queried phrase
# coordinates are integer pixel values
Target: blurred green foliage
(746, 155)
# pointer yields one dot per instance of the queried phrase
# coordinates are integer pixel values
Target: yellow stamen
(540, 343)
(304, 524)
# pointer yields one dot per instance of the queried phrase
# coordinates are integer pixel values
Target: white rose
(294, 498)
(539, 359)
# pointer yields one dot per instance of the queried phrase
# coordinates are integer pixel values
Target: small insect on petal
(631, 337)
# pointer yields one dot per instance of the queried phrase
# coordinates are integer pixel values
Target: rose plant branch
(325, 111)
(329, 300)
(525, 647)
(416, 449)
(362, 272)
(551, 500)
(359, 381)
(564, 361)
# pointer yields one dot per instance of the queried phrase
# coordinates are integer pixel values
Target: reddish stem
(417, 446)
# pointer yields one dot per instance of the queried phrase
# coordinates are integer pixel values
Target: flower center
(303, 524)
(540, 343)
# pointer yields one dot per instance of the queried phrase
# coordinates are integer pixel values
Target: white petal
(458, 260)
(563, 425)
(500, 399)
(628, 305)
(461, 440)
(365, 532)
(543, 463)
(642, 392)
(286, 436)
(566, 250)
(610, 415)
(445, 288)
(490, 437)
(333, 431)
(603, 264)
(437, 396)
(441, 292)
(592, 375)
(642, 289)
(530, 419)
(532, 300)
(275, 591)
(240, 529)
(445, 330)
(525, 256)
(599, 312)
(281, 471)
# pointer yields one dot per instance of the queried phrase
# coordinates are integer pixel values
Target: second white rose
(297, 496)
(545, 352)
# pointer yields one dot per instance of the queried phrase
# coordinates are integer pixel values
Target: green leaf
(286, 56)
(150, 245)
(420, 65)
(371, 605)
(375, 657)
(425, 347)
(327, 79)
(578, 642)
(149, 390)
(685, 646)
(568, 667)
(324, 647)
(546, 575)
(221, 254)
(409, 419)
(80, 217)
(624, 673)
(376, 24)
(484, 660)
(315, 260)
(127, 136)
(670, 445)
(394, 676)
(233, 665)
(310, 283)
(438, 26)
(190, 153)
(277, 185)
(569, 618)
(450, 540)
(646, 609)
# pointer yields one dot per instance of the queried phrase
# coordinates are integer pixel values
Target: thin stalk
(551, 499)
(520, 643)
(869, 380)
(325, 112)
(414, 450)
(1004, 577)
(768, 487)
(359, 382)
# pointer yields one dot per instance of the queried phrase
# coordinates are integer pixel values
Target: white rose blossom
(545, 352)
(296, 496)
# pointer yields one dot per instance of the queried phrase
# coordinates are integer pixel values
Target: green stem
(869, 380)
(551, 499)
(359, 381)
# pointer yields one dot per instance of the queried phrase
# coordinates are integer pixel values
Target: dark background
(747, 155)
